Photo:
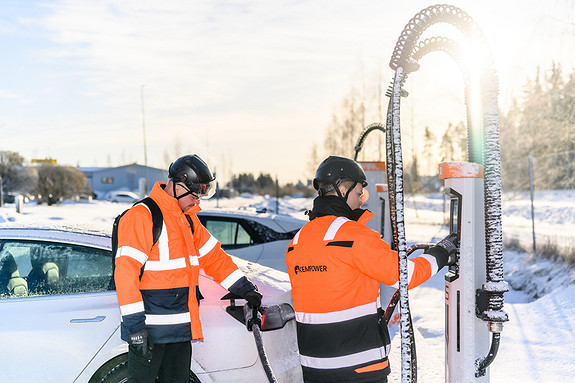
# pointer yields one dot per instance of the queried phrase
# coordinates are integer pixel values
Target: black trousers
(169, 362)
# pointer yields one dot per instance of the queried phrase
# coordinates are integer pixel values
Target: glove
(450, 244)
(254, 298)
(141, 342)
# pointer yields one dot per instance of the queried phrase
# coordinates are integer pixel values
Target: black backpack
(157, 223)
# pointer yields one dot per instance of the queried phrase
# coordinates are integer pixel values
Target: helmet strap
(178, 197)
(174, 190)
(335, 186)
(328, 189)
(183, 195)
(349, 191)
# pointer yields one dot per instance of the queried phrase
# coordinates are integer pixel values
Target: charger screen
(453, 223)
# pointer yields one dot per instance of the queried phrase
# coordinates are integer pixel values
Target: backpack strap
(157, 218)
(157, 225)
(190, 222)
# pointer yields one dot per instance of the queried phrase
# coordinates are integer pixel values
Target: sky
(250, 86)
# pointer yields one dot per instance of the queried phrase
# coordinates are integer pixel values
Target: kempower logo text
(305, 269)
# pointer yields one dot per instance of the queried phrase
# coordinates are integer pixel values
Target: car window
(231, 234)
(35, 268)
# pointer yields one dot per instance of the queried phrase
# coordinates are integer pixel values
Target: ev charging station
(466, 335)
(474, 286)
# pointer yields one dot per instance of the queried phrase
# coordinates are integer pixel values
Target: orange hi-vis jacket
(164, 300)
(335, 266)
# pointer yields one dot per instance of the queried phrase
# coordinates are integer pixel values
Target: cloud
(8, 94)
(244, 70)
(246, 79)
(204, 53)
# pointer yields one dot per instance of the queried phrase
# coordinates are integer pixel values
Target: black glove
(254, 298)
(141, 342)
(450, 244)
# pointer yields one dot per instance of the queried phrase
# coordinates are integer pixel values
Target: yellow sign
(43, 161)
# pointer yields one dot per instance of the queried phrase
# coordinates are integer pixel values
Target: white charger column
(466, 335)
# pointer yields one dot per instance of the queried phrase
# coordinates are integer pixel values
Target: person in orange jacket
(157, 283)
(335, 265)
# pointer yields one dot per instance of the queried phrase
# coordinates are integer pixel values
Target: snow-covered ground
(536, 344)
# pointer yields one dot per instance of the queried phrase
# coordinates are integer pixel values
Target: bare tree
(346, 125)
(170, 155)
(15, 176)
(56, 183)
(313, 162)
(453, 145)
(429, 144)
(541, 125)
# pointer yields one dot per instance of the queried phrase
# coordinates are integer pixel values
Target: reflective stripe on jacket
(335, 266)
(164, 299)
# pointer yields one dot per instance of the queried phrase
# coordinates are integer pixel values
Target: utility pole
(144, 133)
(532, 193)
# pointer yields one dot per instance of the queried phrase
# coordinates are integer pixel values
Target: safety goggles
(200, 191)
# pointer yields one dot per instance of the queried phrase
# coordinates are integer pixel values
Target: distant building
(127, 177)
(43, 161)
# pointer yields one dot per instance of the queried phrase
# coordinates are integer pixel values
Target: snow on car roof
(81, 234)
(79, 228)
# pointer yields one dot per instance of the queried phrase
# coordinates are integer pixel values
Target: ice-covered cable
(495, 285)
(263, 356)
(424, 19)
(363, 136)
(406, 339)
(390, 172)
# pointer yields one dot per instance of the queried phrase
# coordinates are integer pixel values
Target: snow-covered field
(536, 344)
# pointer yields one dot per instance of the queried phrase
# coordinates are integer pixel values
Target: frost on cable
(495, 286)
(406, 340)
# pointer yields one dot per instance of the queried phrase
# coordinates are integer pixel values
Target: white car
(59, 320)
(123, 196)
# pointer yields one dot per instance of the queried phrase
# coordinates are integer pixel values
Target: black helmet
(334, 170)
(193, 172)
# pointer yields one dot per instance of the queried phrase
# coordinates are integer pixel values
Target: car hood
(273, 284)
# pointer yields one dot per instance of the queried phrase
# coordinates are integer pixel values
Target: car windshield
(37, 268)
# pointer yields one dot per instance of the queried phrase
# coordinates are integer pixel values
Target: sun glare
(446, 90)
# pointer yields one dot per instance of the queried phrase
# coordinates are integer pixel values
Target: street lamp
(144, 133)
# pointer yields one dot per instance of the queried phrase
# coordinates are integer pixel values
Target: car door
(248, 240)
(61, 312)
(227, 344)
(235, 237)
